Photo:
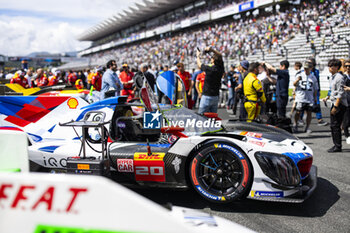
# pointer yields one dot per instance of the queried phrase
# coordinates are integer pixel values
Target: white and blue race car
(172, 147)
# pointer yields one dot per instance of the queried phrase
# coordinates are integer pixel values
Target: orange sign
(84, 166)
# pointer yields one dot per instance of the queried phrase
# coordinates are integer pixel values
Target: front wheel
(220, 172)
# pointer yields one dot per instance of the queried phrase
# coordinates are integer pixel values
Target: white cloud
(52, 26)
(23, 35)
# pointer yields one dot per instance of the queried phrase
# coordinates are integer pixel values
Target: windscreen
(193, 123)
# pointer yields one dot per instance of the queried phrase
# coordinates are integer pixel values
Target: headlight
(279, 168)
(304, 167)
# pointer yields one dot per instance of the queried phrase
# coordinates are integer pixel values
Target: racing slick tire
(220, 172)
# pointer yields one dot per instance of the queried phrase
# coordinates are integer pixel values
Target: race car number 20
(149, 171)
(149, 167)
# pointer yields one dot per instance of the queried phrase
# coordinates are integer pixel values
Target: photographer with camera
(214, 72)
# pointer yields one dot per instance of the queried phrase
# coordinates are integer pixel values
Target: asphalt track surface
(327, 210)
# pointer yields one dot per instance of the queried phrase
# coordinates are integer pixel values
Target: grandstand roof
(135, 14)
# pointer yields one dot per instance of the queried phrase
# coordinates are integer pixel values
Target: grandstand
(162, 31)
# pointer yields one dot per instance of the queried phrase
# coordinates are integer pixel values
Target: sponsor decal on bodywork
(72, 103)
(27, 197)
(172, 139)
(176, 162)
(149, 167)
(266, 194)
(53, 162)
(23, 110)
(251, 134)
(258, 143)
(49, 149)
(125, 165)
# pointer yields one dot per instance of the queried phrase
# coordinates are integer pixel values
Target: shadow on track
(324, 197)
(311, 136)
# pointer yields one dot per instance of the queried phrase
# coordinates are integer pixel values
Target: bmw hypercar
(166, 146)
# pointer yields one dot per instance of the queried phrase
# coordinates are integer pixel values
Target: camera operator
(214, 72)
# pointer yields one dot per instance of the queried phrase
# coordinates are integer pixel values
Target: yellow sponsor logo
(72, 103)
(143, 156)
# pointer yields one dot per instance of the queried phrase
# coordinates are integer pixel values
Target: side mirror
(177, 131)
(212, 115)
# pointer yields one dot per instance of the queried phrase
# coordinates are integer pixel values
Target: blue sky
(50, 25)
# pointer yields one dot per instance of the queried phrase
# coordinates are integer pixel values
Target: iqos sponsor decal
(55, 162)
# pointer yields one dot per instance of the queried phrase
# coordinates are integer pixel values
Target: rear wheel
(220, 172)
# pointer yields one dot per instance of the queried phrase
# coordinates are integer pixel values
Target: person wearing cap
(126, 78)
(79, 84)
(306, 87)
(186, 78)
(212, 83)
(110, 80)
(253, 92)
(242, 69)
(19, 78)
(282, 86)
